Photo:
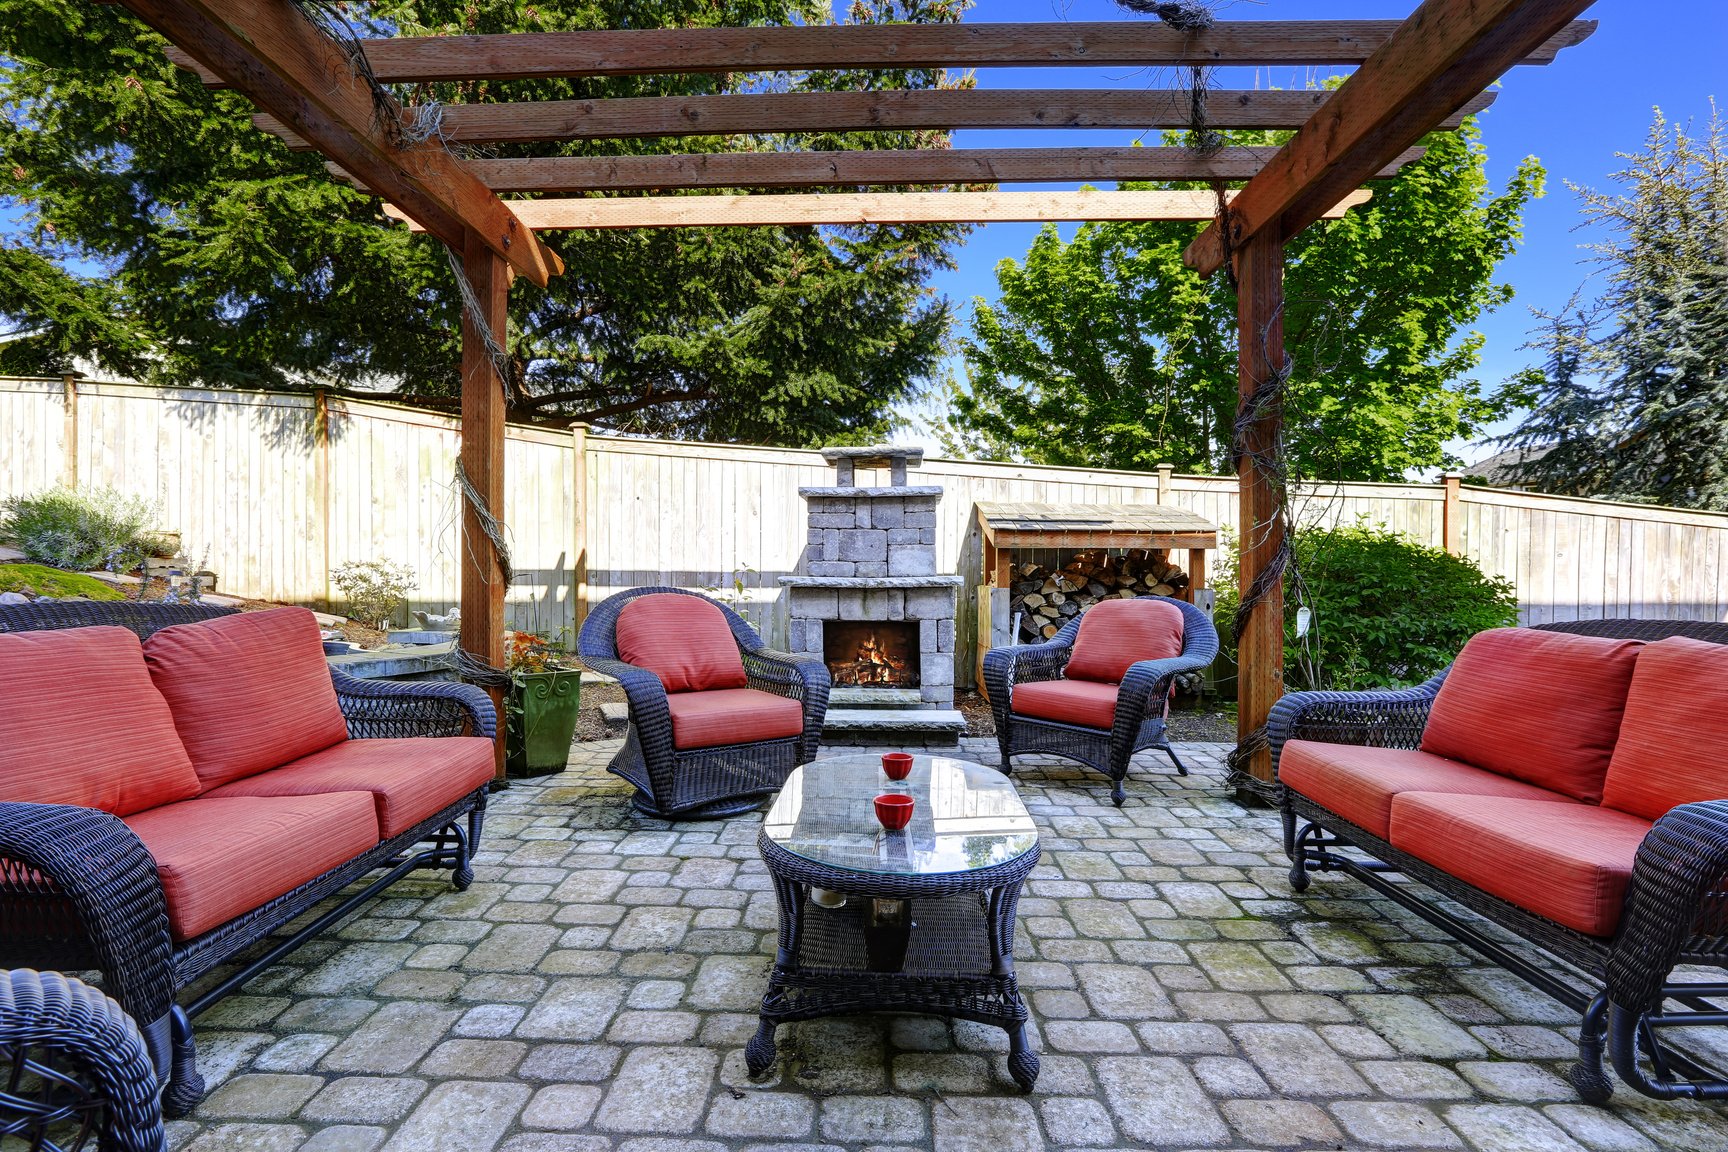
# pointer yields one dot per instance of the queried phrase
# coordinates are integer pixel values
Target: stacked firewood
(1046, 599)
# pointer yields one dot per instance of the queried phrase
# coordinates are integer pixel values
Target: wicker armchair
(1675, 913)
(1140, 699)
(79, 891)
(688, 783)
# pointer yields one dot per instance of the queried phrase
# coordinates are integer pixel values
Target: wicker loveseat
(1096, 691)
(1566, 783)
(167, 804)
(717, 719)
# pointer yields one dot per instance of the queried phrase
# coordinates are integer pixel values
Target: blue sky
(1574, 114)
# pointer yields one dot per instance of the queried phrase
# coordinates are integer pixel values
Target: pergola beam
(843, 208)
(285, 65)
(889, 110)
(570, 174)
(1444, 53)
(632, 52)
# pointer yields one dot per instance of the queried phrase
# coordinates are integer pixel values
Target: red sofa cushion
(80, 723)
(1085, 702)
(411, 778)
(1568, 862)
(732, 716)
(248, 692)
(219, 858)
(1543, 707)
(1673, 746)
(684, 640)
(1117, 633)
(1359, 783)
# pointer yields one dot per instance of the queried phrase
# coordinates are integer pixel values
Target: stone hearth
(871, 557)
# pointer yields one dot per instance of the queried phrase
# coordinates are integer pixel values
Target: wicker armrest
(1022, 664)
(1678, 895)
(1392, 718)
(66, 859)
(786, 674)
(413, 707)
(1147, 682)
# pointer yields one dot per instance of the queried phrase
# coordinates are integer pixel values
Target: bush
(37, 580)
(1388, 611)
(374, 589)
(80, 530)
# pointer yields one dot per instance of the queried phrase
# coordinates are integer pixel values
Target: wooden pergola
(1412, 77)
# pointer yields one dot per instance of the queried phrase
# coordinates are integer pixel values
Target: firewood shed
(1046, 563)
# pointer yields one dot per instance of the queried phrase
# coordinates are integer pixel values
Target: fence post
(579, 544)
(1164, 473)
(69, 455)
(1451, 513)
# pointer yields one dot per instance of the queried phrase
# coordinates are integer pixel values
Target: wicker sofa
(167, 803)
(1564, 782)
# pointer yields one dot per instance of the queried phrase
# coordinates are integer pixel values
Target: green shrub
(1387, 611)
(37, 580)
(78, 529)
(374, 589)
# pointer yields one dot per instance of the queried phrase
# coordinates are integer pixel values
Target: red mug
(894, 810)
(898, 765)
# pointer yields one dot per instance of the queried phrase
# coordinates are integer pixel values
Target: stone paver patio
(595, 987)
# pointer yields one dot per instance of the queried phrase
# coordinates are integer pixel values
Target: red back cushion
(80, 723)
(249, 691)
(684, 640)
(1673, 746)
(1117, 633)
(1542, 707)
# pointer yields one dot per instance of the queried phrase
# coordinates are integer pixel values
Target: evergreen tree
(162, 235)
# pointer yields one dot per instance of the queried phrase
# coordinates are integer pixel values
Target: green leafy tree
(1106, 351)
(1637, 409)
(164, 236)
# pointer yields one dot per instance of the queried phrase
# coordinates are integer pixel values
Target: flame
(874, 665)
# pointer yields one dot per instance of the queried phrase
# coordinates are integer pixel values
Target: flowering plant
(526, 653)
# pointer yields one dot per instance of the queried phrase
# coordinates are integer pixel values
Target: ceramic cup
(898, 765)
(894, 810)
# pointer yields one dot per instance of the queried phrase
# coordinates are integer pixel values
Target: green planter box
(541, 717)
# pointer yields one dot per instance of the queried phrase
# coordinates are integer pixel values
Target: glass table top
(965, 816)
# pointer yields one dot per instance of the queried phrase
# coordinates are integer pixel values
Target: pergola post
(1260, 333)
(483, 460)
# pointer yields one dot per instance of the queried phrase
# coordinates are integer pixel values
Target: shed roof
(1094, 526)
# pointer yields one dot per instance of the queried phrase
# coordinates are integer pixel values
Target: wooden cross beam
(568, 174)
(631, 52)
(871, 208)
(285, 65)
(1444, 53)
(889, 110)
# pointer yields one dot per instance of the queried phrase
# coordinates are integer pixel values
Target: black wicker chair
(76, 1069)
(1139, 702)
(702, 783)
(1676, 910)
(79, 891)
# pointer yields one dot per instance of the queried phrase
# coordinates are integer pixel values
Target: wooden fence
(277, 489)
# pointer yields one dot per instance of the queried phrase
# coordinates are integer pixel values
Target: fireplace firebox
(871, 653)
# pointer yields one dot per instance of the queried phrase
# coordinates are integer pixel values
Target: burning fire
(874, 664)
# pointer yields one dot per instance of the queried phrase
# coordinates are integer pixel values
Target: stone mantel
(884, 493)
(837, 582)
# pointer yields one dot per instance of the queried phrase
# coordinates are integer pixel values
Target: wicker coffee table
(927, 919)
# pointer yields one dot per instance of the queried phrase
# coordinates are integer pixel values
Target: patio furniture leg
(185, 1085)
(1181, 768)
(1299, 856)
(1118, 795)
(759, 1052)
(1023, 1063)
(1587, 1076)
(1288, 815)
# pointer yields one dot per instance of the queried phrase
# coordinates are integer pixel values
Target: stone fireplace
(868, 599)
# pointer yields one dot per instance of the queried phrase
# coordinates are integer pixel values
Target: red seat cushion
(221, 857)
(1359, 783)
(1117, 633)
(1540, 706)
(1673, 746)
(411, 778)
(1567, 862)
(80, 723)
(684, 640)
(248, 692)
(1084, 702)
(732, 716)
